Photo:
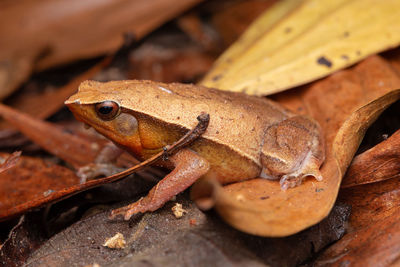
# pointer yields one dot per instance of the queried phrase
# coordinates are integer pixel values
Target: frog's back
(237, 120)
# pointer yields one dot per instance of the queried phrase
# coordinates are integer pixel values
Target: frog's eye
(107, 110)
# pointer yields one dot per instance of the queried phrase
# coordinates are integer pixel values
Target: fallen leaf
(235, 17)
(36, 184)
(375, 246)
(71, 148)
(371, 202)
(172, 54)
(344, 104)
(30, 103)
(373, 238)
(34, 35)
(379, 163)
(27, 235)
(296, 42)
(30, 184)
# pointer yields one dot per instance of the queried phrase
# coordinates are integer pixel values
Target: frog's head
(111, 108)
(99, 107)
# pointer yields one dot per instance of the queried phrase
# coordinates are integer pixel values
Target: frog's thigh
(292, 149)
(189, 167)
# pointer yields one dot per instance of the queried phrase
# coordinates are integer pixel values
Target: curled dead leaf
(379, 163)
(344, 104)
(373, 237)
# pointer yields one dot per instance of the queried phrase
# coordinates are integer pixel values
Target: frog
(247, 136)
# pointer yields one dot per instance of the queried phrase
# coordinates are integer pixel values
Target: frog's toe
(128, 211)
(296, 178)
(288, 181)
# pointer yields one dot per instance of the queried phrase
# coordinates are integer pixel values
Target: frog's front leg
(189, 167)
(293, 149)
(104, 164)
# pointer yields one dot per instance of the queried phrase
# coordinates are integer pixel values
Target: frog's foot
(139, 206)
(293, 149)
(310, 168)
(94, 170)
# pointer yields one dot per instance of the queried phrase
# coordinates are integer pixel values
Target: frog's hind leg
(189, 167)
(293, 149)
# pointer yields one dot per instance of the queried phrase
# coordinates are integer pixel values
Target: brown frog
(247, 136)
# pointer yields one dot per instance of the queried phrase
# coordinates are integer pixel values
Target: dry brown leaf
(373, 238)
(296, 42)
(371, 202)
(344, 104)
(375, 246)
(30, 183)
(381, 162)
(172, 55)
(232, 20)
(39, 34)
(32, 103)
(71, 148)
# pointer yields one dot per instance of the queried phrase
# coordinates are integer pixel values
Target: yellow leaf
(296, 42)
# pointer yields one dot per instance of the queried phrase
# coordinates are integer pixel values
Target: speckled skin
(245, 135)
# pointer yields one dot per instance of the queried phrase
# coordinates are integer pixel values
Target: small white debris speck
(178, 210)
(165, 89)
(117, 241)
(48, 193)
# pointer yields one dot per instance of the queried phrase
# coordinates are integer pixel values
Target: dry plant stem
(10, 162)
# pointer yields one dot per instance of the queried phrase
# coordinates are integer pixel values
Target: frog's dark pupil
(105, 110)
